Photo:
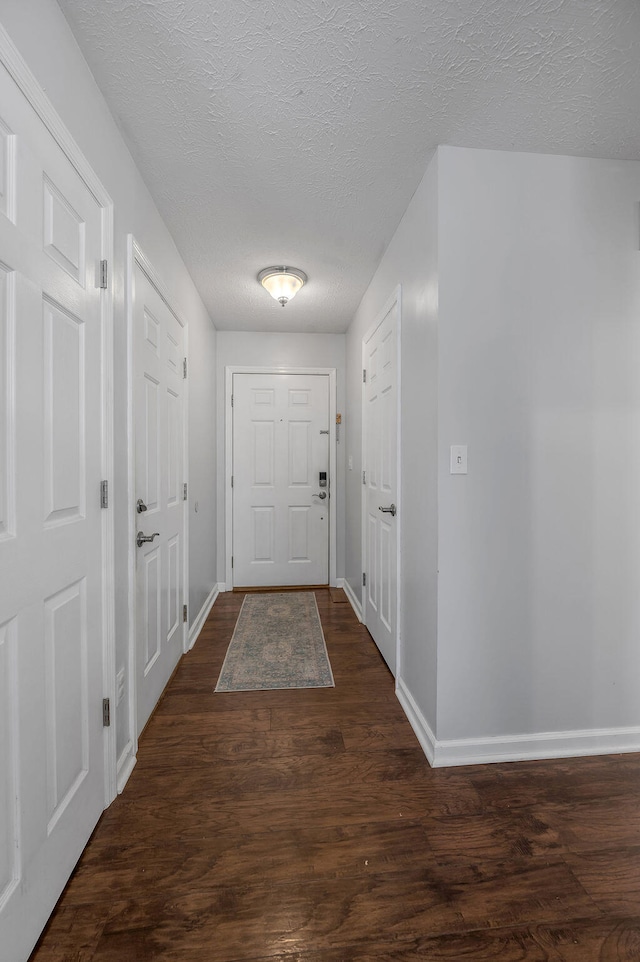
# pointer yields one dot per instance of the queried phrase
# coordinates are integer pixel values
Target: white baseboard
(126, 764)
(514, 748)
(417, 721)
(539, 745)
(353, 601)
(202, 615)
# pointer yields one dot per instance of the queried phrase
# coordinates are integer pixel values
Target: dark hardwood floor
(307, 826)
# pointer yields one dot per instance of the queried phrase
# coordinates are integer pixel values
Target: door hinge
(364, 477)
(104, 494)
(231, 480)
(184, 367)
(184, 491)
(364, 579)
(184, 613)
(104, 276)
(232, 400)
(364, 376)
(232, 561)
(106, 712)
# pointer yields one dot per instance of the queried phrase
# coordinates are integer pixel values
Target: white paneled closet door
(51, 578)
(159, 352)
(380, 433)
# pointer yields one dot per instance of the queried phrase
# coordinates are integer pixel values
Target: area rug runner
(277, 643)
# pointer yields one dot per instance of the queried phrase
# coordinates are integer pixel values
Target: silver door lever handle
(322, 495)
(390, 510)
(141, 537)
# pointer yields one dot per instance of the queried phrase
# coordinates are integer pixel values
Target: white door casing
(380, 461)
(281, 512)
(56, 575)
(159, 478)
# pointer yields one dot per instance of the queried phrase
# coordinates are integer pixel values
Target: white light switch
(458, 459)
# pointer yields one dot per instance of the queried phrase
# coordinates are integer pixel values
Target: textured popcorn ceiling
(296, 131)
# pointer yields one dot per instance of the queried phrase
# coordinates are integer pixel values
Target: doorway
(381, 488)
(158, 490)
(280, 465)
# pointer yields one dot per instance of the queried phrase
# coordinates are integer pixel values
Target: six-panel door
(51, 615)
(380, 417)
(159, 486)
(280, 510)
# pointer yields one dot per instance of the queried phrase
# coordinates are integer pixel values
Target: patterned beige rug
(277, 643)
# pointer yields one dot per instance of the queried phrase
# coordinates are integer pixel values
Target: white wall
(521, 275)
(411, 261)
(281, 350)
(539, 344)
(42, 36)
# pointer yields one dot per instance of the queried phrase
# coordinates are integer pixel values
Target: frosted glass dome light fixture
(283, 283)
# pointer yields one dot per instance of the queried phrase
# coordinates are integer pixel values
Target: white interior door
(159, 352)
(280, 450)
(51, 577)
(380, 437)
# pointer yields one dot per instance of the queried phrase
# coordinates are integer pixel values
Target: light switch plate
(458, 459)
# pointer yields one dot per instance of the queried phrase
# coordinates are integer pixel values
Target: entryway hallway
(308, 825)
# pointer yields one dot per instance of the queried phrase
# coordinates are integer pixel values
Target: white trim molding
(539, 745)
(203, 614)
(353, 601)
(514, 748)
(126, 764)
(21, 73)
(418, 722)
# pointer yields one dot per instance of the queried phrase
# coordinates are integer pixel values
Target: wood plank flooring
(307, 826)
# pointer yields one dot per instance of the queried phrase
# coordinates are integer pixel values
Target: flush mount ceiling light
(283, 283)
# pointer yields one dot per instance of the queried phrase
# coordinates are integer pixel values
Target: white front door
(51, 578)
(281, 500)
(380, 437)
(159, 491)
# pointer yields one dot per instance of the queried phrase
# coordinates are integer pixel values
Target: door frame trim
(229, 371)
(136, 256)
(22, 75)
(393, 300)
